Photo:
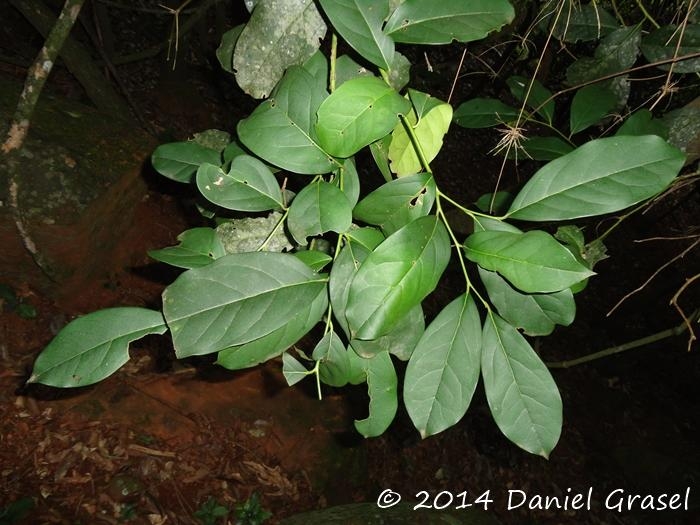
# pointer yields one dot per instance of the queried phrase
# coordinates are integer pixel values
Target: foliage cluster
(359, 264)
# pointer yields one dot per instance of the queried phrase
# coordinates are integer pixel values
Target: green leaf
(334, 366)
(539, 98)
(281, 130)
(662, 44)
(94, 346)
(273, 344)
(616, 52)
(642, 122)
(236, 299)
(536, 314)
(546, 148)
(420, 22)
(368, 237)
(248, 186)
(499, 202)
(380, 154)
(292, 369)
(359, 22)
(213, 139)
(179, 160)
(522, 396)
(346, 69)
(684, 129)
(533, 261)
(360, 111)
(401, 341)
(444, 369)
(484, 113)
(198, 247)
(382, 385)
(590, 105)
(396, 203)
(224, 53)
(318, 208)
(270, 43)
(428, 131)
(251, 234)
(397, 276)
(399, 73)
(347, 179)
(314, 259)
(584, 23)
(232, 151)
(602, 176)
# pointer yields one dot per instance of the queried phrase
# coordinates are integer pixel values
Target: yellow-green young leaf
(532, 261)
(357, 113)
(276, 342)
(382, 386)
(444, 369)
(94, 346)
(522, 396)
(236, 299)
(429, 132)
(602, 176)
(396, 277)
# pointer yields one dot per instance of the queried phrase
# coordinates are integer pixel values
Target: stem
(676, 330)
(334, 52)
(646, 14)
(414, 142)
(272, 233)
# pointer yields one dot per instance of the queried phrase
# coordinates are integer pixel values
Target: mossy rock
(79, 177)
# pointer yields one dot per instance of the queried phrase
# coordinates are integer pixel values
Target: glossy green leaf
(348, 180)
(318, 208)
(484, 113)
(536, 314)
(420, 22)
(292, 369)
(401, 341)
(273, 344)
(428, 131)
(590, 105)
(198, 247)
(368, 237)
(602, 176)
(444, 369)
(642, 122)
(248, 186)
(382, 386)
(545, 148)
(380, 154)
(359, 22)
(334, 366)
(224, 53)
(396, 203)
(236, 299)
(179, 160)
(94, 346)
(539, 98)
(533, 261)
(584, 23)
(662, 44)
(357, 113)
(396, 277)
(281, 129)
(345, 266)
(522, 396)
(314, 259)
(346, 68)
(270, 43)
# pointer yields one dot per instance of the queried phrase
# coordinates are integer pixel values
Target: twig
(687, 320)
(454, 81)
(676, 330)
(653, 275)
